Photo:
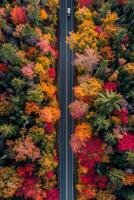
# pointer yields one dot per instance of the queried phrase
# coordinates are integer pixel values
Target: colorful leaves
(28, 57)
(25, 148)
(126, 143)
(87, 61)
(78, 109)
(18, 15)
(85, 2)
(104, 82)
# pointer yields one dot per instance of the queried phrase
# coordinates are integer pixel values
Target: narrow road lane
(66, 96)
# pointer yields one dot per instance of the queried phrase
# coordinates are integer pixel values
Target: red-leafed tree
(85, 2)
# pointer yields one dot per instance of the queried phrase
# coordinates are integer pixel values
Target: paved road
(66, 180)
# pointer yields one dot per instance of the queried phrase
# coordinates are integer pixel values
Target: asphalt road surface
(66, 175)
